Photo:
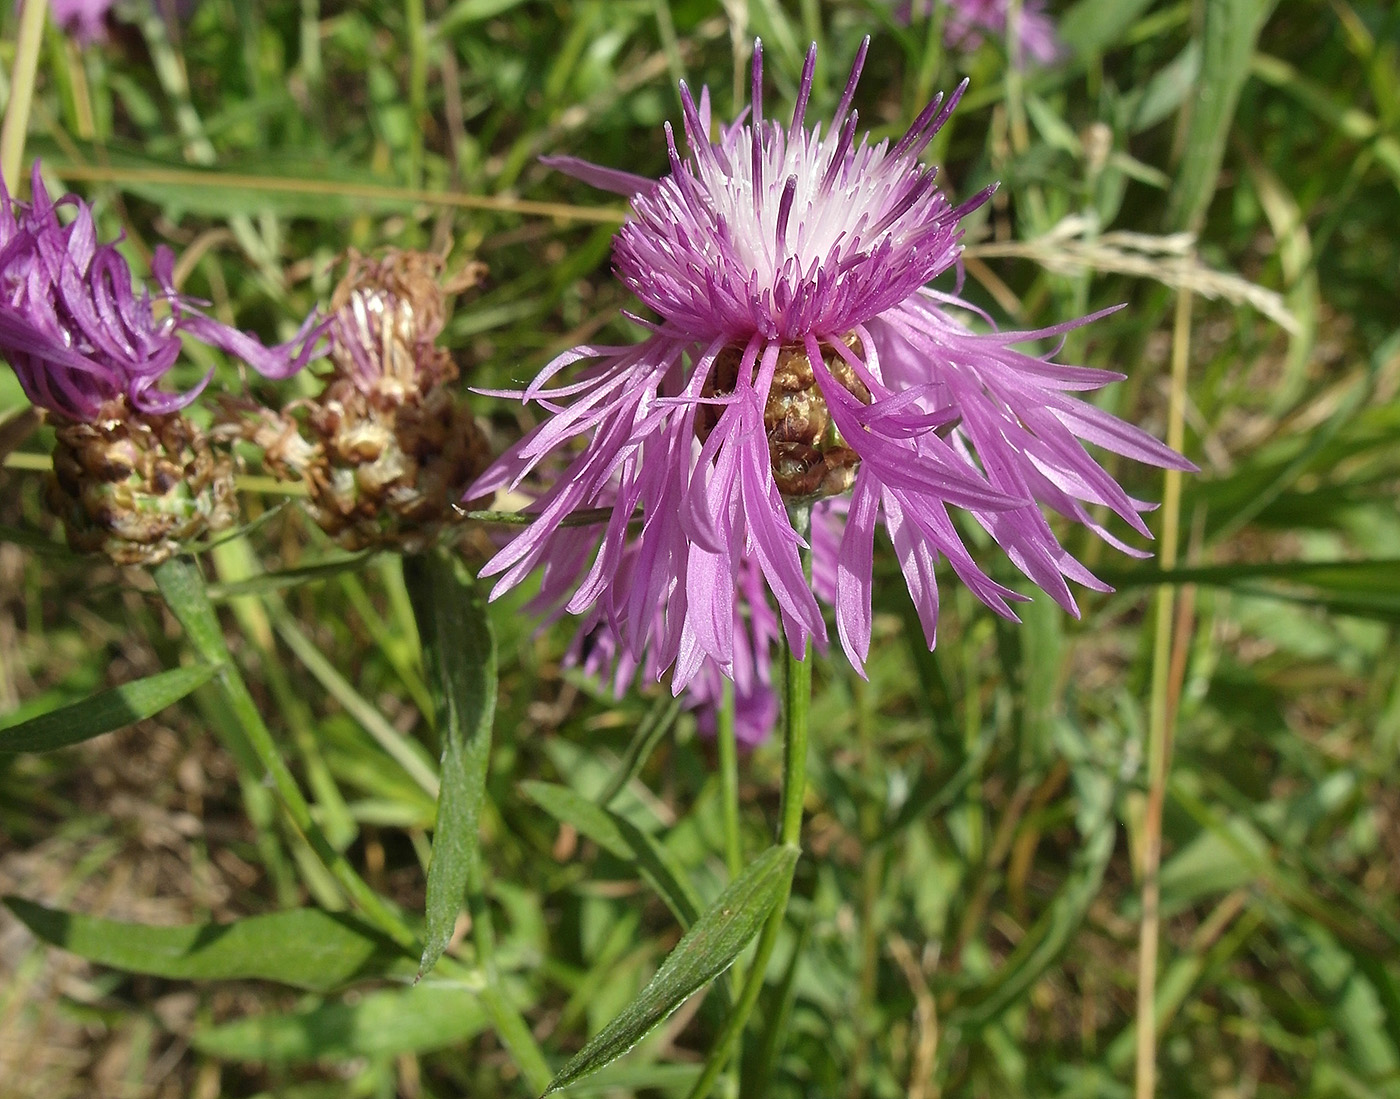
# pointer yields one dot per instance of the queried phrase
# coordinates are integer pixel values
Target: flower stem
(729, 783)
(797, 700)
(733, 848)
(182, 585)
(16, 125)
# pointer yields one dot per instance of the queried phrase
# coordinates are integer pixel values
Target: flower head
(387, 448)
(85, 21)
(967, 24)
(133, 478)
(800, 352)
(81, 339)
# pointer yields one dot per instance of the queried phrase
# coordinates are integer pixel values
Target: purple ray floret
(777, 242)
(80, 336)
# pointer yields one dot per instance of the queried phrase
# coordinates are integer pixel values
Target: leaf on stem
(103, 712)
(706, 951)
(305, 947)
(377, 1024)
(459, 657)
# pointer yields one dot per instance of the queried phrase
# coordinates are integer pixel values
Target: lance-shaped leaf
(459, 656)
(305, 947)
(706, 951)
(377, 1024)
(103, 712)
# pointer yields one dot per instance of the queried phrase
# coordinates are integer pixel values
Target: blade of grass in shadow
(654, 726)
(619, 837)
(1229, 33)
(407, 753)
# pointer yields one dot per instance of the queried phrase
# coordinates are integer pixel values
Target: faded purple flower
(79, 336)
(85, 21)
(968, 23)
(799, 354)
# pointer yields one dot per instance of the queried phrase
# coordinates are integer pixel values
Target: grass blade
(1229, 34)
(619, 836)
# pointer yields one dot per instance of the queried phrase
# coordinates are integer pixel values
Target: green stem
(182, 585)
(417, 87)
(733, 847)
(729, 783)
(16, 125)
(797, 700)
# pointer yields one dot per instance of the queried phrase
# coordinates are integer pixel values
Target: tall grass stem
(1159, 730)
(16, 125)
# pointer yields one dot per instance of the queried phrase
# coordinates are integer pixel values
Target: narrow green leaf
(379, 1024)
(287, 578)
(654, 726)
(182, 584)
(305, 947)
(619, 836)
(706, 951)
(1228, 34)
(459, 655)
(104, 711)
(1366, 589)
(1093, 25)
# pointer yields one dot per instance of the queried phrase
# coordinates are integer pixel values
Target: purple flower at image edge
(78, 334)
(799, 354)
(968, 23)
(85, 21)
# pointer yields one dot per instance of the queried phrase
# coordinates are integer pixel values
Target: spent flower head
(800, 351)
(387, 448)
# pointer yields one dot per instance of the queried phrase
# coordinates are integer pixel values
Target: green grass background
(966, 919)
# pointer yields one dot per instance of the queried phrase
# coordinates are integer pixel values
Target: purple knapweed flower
(77, 333)
(800, 353)
(968, 23)
(84, 21)
(598, 651)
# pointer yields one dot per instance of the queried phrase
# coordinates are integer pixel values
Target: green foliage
(965, 917)
(103, 712)
(303, 948)
(706, 950)
(460, 653)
